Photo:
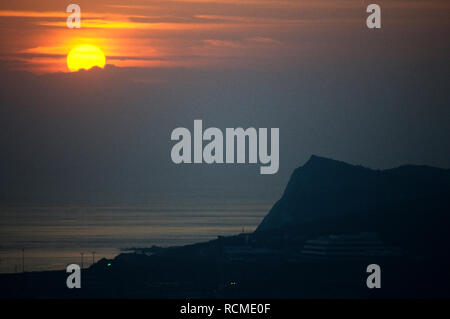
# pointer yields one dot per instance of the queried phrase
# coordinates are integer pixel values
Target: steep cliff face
(328, 189)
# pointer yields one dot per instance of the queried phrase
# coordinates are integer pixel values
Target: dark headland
(332, 221)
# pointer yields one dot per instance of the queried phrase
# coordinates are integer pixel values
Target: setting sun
(85, 56)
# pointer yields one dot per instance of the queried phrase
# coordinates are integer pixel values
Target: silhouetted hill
(404, 204)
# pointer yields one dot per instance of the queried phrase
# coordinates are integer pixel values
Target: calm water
(53, 237)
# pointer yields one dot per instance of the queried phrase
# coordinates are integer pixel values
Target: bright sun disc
(85, 56)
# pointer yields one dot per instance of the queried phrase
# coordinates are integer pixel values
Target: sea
(40, 238)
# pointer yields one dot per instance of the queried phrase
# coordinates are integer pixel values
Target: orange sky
(165, 33)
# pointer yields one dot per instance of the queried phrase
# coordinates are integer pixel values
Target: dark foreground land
(202, 271)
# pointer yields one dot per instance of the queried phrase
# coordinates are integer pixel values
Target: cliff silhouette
(409, 204)
(328, 188)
